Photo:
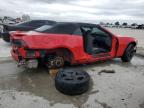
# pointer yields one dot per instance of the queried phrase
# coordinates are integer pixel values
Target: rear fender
(66, 53)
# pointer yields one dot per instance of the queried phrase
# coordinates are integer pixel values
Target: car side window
(86, 30)
(97, 31)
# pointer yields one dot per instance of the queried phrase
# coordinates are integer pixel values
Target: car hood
(125, 37)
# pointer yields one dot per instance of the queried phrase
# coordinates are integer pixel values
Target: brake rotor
(59, 62)
(55, 62)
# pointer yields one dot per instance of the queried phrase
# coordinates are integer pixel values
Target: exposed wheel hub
(55, 62)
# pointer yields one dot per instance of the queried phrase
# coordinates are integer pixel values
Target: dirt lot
(24, 88)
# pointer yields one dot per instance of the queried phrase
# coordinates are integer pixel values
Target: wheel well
(133, 43)
(63, 52)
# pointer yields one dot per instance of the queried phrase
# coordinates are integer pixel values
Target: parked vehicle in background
(72, 43)
(134, 26)
(23, 26)
(1, 27)
(140, 26)
(8, 20)
(1, 30)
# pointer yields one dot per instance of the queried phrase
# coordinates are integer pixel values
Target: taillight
(32, 53)
(24, 44)
(19, 43)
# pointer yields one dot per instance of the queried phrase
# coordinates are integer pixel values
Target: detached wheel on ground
(129, 53)
(72, 82)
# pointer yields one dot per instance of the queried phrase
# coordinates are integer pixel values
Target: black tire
(128, 54)
(72, 82)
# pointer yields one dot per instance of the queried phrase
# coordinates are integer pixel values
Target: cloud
(75, 10)
(53, 1)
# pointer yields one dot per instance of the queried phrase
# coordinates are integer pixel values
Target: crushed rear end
(21, 52)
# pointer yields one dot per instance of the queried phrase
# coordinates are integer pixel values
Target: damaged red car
(70, 43)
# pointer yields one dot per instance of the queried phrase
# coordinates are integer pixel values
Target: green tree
(117, 23)
(124, 24)
(134, 24)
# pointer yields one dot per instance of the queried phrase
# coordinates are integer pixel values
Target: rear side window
(43, 28)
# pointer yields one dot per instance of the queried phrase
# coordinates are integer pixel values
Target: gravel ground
(4, 49)
(24, 88)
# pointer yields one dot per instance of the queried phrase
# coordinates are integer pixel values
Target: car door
(102, 44)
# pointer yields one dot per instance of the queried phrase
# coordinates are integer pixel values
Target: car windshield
(61, 28)
(43, 28)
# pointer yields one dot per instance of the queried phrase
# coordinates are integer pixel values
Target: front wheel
(129, 53)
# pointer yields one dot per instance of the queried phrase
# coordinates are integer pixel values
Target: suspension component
(55, 62)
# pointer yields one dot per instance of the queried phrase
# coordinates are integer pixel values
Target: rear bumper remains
(29, 63)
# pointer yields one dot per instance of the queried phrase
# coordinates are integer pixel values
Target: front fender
(123, 44)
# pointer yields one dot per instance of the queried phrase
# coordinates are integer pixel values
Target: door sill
(101, 55)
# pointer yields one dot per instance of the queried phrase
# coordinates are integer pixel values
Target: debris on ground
(53, 72)
(106, 71)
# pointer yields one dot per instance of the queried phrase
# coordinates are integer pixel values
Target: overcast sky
(76, 10)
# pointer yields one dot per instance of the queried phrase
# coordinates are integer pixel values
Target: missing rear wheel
(55, 62)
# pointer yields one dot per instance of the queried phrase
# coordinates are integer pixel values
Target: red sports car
(73, 43)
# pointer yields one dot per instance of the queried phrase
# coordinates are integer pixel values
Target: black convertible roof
(66, 27)
(78, 23)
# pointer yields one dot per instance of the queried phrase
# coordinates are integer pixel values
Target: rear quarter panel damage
(73, 43)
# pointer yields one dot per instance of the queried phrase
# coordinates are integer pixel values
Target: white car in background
(134, 27)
